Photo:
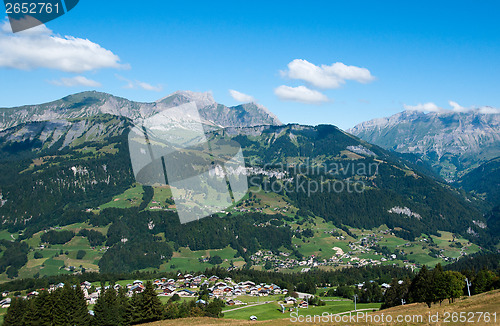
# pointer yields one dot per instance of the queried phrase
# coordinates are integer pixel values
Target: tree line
(436, 285)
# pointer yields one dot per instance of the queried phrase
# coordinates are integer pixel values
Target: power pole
(468, 285)
(355, 297)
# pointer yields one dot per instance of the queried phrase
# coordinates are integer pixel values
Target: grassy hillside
(485, 302)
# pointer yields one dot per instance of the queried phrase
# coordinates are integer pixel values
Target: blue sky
(388, 55)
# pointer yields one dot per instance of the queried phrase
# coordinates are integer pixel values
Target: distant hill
(453, 143)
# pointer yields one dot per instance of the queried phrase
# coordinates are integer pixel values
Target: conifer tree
(15, 313)
(106, 310)
(150, 306)
(80, 316)
(124, 307)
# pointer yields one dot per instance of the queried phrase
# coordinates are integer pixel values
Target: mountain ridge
(452, 142)
(91, 103)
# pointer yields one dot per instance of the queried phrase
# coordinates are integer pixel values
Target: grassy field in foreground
(485, 302)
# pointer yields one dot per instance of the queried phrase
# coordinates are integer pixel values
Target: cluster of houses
(184, 285)
(363, 245)
(187, 286)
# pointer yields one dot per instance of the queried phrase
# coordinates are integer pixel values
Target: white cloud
(39, 47)
(149, 87)
(325, 76)
(455, 107)
(76, 81)
(488, 110)
(426, 107)
(139, 84)
(300, 94)
(241, 97)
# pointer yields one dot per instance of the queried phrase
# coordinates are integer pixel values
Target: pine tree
(31, 314)
(62, 307)
(15, 313)
(438, 285)
(106, 310)
(214, 308)
(80, 316)
(150, 306)
(171, 311)
(135, 309)
(124, 307)
(45, 303)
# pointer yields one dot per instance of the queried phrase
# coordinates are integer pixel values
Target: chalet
(92, 298)
(304, 304)
(201, 301)
(86, 285)
(32, 294)
(137, 288)
(213, 278)
(5, 303)
(186, 293)
(218, 292)
(254, 291)
(230, 302)
(290, 300)
(220, 284)
(263, 293)
(247, 284)
(137, 282)
(253, 317)
(169, 290)
(5, 293)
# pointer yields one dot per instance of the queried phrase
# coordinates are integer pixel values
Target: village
(185, 286)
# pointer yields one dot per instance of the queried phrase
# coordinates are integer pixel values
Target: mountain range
(92, 103)
(453, 143)
(68, 162)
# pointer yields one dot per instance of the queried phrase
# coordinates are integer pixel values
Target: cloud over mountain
(300, 94)
(241, 97)
(326, 76)
(39, 47)
(455, 107)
